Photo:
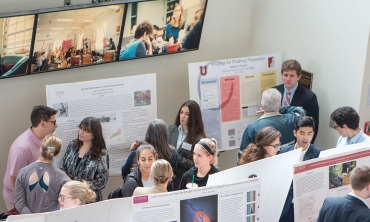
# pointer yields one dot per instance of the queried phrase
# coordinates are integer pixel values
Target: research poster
(276, 175)
(125, 106)
(317, 179)
(229, 93)
(238, 201)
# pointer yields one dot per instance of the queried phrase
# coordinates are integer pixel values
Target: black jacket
(200, 181)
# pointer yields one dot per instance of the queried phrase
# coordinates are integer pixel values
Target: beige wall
(224, 36)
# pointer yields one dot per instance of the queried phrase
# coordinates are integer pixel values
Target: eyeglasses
(178, 10)
(276, 146)
(54, 121)
(62, 197)
(336, 127)
(83, 130)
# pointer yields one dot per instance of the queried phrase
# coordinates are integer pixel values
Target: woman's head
(145, 156)
(190, 115)
(144, 29)
(90, 130)
(205, 153)
(50, 146)
(178, 15)
(267, 144)
(161, 171)
(75, 193)
(157, 136)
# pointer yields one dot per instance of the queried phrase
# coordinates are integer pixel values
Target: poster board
(276, 177)
(229, 93)
(125, 106)
(316, 179)
(237, 201)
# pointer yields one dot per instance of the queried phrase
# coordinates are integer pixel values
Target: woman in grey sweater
(38, 184)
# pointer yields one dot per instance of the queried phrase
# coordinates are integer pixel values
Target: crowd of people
(173, 158)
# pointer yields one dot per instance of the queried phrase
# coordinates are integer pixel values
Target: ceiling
(47, 23)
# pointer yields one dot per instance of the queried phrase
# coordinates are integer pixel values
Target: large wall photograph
(76, 37)
(15, 42)
(161, 26)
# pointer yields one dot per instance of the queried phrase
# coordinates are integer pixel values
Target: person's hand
(134, 145)
(171, 40)
(260, 111)
(148, 44)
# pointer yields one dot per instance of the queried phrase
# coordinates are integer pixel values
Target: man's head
(143, 29)
(345, 118)
(360, 179)
(271, 100)
(304, 131)
(290, 73)
(43, 118)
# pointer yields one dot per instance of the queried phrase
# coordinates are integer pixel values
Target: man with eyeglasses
(304, 131)
(281, 118)
(346, 121)
(26, 148)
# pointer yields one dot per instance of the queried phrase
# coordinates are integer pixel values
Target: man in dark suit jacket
(351, 207)
(304, 132)
(298, 95)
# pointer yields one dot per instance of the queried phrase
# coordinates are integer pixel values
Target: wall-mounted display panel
(157, 27)
(76, 37)
(15, 44)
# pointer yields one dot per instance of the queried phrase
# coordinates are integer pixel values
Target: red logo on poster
(203, 70)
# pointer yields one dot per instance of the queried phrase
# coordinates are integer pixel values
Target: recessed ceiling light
(64, 20)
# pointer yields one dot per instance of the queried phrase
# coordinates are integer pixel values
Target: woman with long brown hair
(267, 145)
(186, 132)
(87, 157)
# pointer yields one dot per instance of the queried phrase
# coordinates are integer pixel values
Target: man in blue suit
(293, 94)
(304, 131)
(351, 207)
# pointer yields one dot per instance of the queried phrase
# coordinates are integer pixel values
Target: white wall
(224, 36)
(328, 38)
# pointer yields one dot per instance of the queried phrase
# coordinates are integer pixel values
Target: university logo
(59, 93)
(203, 70)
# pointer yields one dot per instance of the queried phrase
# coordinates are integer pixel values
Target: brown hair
(195, 124)
(80, 190)
(212, 144)
(142, 147)
(161, 171)
(181, 20)
(360, 177)
(51, 146)
(291, 64)
(255, 152)
(92, 125)
(143, 27)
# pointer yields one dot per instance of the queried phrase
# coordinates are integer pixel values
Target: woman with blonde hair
(75, 193)
(267, 145)
(176, 24)
(161, 172)
(205, 161)
(38, 184)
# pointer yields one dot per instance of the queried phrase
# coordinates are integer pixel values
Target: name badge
(186, 146)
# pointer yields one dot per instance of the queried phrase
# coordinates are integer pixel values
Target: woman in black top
(87, 158)
(205, 160)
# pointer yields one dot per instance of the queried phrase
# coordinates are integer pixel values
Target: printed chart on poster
(125, 106)
(229, 93)
(317, 179)
(238, 201)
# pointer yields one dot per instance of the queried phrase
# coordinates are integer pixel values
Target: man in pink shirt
(26, 148)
